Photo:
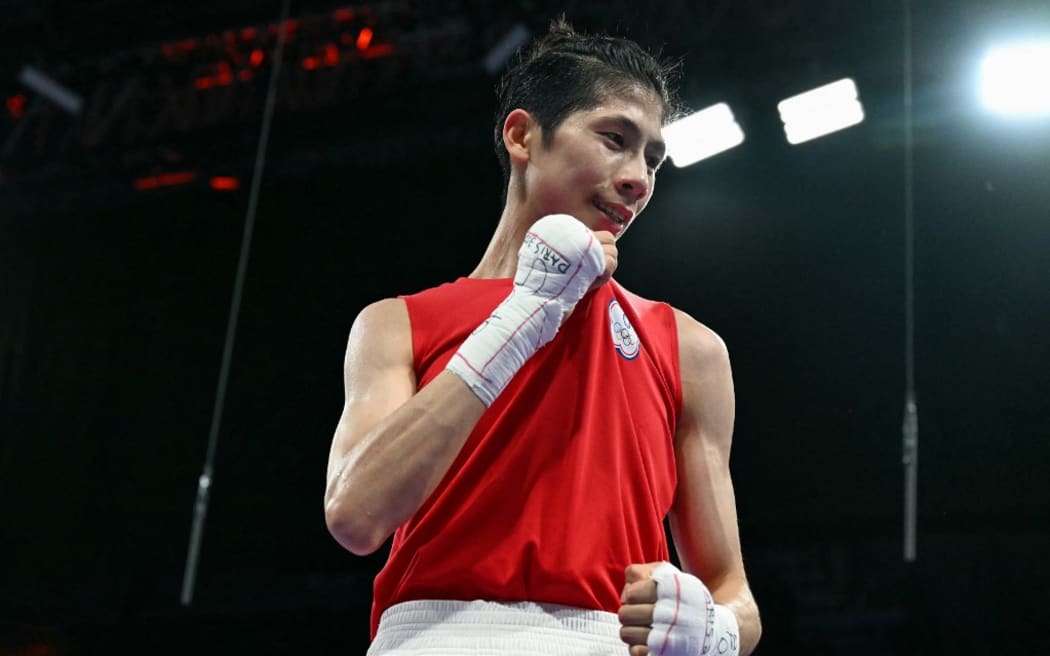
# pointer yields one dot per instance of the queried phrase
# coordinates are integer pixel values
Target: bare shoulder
(708, 400)
(380, 340)
(384, 315)
(698, 345)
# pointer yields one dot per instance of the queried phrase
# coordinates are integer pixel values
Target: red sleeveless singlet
(567, 477)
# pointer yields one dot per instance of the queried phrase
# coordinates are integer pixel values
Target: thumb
(641, 571)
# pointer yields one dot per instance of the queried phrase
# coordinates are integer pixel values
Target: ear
(520, 135)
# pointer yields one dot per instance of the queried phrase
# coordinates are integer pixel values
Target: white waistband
(443, 627)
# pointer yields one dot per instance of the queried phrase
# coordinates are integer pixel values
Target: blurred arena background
(129, 137)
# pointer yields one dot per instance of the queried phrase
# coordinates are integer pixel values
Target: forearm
(736, 594)
(381, 481)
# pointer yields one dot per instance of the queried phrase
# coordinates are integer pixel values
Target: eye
(654, 163)
(614, 137)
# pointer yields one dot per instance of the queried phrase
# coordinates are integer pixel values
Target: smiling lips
(618, 214)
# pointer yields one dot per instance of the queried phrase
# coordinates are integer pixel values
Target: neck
(501, 256)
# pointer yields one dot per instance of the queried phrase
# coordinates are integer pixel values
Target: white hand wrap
(557, 263)
(687, 621)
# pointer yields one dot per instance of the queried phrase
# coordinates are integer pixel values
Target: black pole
(200, 506)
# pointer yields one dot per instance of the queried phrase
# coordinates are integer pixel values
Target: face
(600, 166)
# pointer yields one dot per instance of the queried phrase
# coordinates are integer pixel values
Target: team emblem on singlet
(625, 339)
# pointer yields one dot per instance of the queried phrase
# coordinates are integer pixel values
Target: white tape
(557, 263)
(687, 621)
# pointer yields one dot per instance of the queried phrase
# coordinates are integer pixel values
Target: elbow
(749, 640)
(359, 537)
(758, 627)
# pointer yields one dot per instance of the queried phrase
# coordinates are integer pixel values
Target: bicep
(378, 376)
(703, 518)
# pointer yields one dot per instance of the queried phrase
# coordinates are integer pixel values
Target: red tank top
(567, 477)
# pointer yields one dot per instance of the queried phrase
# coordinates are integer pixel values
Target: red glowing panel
(256, 58)
(165, 180)
(16, 105)
(382, 50)
(225, 183)
(364, 39)
(331, 54)
(171, 179)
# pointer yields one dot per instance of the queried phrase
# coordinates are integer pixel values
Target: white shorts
(490, 628)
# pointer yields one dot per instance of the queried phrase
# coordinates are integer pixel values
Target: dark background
(380, 180)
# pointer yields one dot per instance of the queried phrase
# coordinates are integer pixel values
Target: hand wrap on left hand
(687, 621)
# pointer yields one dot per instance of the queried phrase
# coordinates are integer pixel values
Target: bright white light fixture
(702, 134)
(821, 111)
(1015, 79)
(50, 89)
(498, 55)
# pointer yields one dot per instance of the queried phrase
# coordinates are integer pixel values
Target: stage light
(364, 38)
(165, 180)
(1015, 79)
(16, 105)
(701, 135)
(331, 54)
(504, 48)
(821, 111)
(50, 89)
(224, 183)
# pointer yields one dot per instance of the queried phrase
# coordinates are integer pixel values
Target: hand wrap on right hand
(557, 263)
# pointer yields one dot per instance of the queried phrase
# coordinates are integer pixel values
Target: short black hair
(566, 71)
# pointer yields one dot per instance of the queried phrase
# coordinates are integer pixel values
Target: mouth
(618, 214)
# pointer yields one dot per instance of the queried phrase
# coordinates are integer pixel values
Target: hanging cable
(200, 506)
(910, 424)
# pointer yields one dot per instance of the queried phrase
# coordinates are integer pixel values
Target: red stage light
(225, 183)
(244, 75)
(165, 180)
(203, 83)
(248, 34)
(16, 105)
(224, 76)
(256, 57)
(344, 14)
(311, 63)
(364, 39)
(331, 54)
(381, 50)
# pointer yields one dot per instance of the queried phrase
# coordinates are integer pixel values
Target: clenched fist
(638, 600)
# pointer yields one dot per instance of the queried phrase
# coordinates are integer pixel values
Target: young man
(524, 431)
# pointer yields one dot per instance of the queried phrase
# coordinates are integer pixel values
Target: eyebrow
(658, 147)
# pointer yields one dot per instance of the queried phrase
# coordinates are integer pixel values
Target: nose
(632, 182)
